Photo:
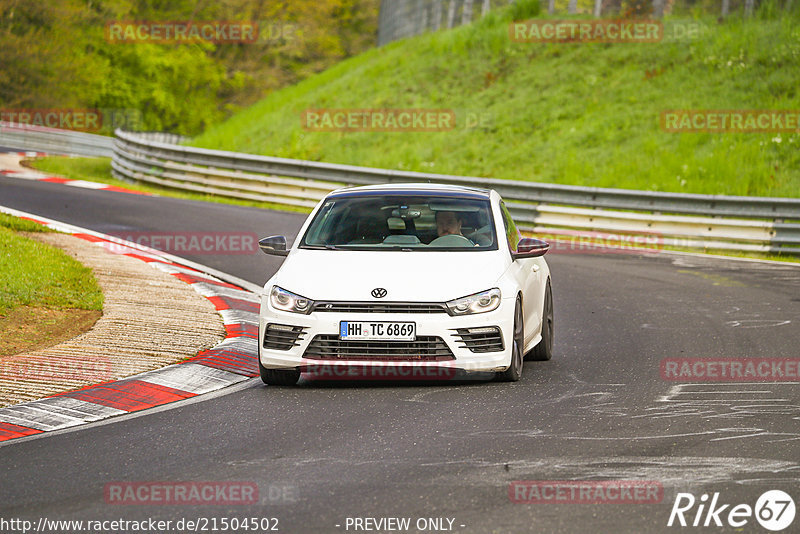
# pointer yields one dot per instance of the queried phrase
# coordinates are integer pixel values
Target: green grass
(21, 225)
(35, 274)
(583, 114)
(99, 170)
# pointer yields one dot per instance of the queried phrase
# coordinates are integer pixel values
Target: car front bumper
(441, 325)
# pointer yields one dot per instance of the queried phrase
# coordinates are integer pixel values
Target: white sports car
(410, 277)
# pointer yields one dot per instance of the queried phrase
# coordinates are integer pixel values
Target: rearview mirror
(274, 245)
(530, 247)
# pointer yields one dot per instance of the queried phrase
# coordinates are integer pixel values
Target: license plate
(385, 331)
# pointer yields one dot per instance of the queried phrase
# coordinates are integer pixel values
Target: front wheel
(278, 377)
(544, 350)
(514, 371)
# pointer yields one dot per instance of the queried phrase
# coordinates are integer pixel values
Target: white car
(410, 277)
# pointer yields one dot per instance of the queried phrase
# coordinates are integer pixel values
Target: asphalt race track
(323, 453)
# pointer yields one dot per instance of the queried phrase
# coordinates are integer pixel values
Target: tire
(278, 377)
(514, 371)
(544, 350)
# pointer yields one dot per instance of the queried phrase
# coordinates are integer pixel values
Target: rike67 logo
(774, 510)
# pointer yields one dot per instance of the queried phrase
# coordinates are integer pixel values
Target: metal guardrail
(755, 224)
(55, 141)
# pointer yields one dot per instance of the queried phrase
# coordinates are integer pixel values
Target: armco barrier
(753, 224)
(55, 141)
(756, 224)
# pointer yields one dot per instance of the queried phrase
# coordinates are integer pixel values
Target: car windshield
(402, 222)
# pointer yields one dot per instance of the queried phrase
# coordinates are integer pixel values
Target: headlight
(288, 301)
(482, 302)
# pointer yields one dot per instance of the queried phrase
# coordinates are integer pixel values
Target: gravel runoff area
(150, 319)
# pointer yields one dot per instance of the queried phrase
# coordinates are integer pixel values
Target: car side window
(512, 233)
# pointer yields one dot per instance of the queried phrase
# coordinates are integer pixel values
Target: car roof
(413, 188)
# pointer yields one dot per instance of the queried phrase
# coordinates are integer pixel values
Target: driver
(448, 223)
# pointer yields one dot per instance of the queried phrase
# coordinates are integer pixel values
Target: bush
(525, 9)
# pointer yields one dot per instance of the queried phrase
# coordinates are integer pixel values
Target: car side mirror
(274, 245)
(530, 247)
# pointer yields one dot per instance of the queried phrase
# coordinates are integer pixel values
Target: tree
(466, 12)
(451, 13)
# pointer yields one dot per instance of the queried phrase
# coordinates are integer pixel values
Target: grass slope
(35, 274)
(585, 114)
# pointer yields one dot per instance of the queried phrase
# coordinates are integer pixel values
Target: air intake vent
(483, 339)
(282, 336)
(424, 349)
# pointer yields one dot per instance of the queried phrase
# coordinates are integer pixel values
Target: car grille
(380, 307)
(485, 339)
(282, 336)
(425, 348)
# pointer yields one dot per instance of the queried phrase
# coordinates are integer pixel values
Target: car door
(528, 273)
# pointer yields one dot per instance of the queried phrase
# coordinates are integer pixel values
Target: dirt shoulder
(30, 328)
(150, 319)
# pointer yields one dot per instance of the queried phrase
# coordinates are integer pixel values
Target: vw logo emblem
(378, 292)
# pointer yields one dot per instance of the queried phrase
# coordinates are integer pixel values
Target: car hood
(406, 276)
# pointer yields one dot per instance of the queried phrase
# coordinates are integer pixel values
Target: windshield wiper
(322, 247)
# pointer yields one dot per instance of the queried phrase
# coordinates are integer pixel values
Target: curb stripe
(238, 317)
(11, 431)
(209, 290)
(55, 413)
(33, 174)
(238, 304)
(146, 259)
(233, 360)
(242, 330)
(189, 279)
(130, 395)
(194, 378)
(219, 303)
(226, 360)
